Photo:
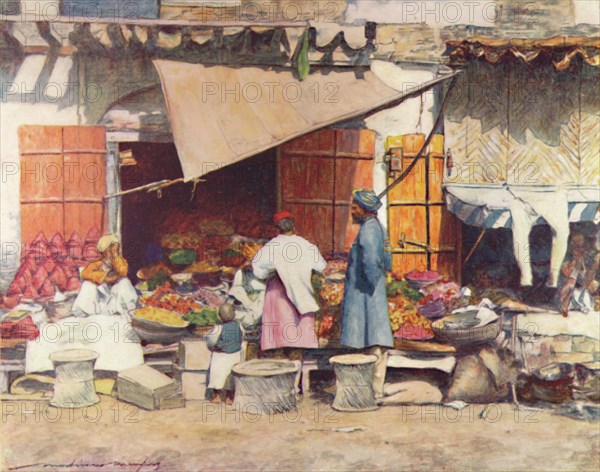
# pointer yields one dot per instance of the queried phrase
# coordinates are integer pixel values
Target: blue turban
(367, 199)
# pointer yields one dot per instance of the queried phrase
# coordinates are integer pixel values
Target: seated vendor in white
(106, 290)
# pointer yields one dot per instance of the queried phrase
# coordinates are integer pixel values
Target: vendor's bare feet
(229, 401)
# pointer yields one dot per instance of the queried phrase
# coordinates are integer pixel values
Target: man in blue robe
(365, 318)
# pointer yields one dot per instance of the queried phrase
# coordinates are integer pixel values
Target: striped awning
(560, 50)
(487, 206)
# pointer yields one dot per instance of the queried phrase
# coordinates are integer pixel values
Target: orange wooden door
(317, 173)
(417, 212)
(63, 180)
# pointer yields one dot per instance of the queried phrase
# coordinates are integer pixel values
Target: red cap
(282, 215)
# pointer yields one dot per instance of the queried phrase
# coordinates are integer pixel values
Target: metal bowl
(155, 332)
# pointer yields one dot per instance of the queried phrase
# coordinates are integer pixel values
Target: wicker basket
(466, 337)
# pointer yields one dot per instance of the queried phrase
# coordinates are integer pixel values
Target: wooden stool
(354, 382)
(74, 384)
(268, 384)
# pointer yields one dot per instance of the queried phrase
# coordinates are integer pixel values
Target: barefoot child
(225, 342)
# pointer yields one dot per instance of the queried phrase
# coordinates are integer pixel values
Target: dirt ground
(205, 436)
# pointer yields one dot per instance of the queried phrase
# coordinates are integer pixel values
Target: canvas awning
(487, 205)
(560, 50)
(221, 115)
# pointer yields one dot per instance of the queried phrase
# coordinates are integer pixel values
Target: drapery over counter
(221, 115)
(488, 205)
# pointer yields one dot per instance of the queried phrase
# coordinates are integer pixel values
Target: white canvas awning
(221, 115)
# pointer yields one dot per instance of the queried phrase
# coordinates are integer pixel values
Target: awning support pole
(479, 238)
(153, 187)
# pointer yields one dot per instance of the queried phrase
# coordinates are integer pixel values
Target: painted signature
(136, 466)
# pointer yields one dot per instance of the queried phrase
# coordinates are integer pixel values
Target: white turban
(106, 241)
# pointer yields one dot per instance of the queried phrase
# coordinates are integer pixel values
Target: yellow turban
(106, 241)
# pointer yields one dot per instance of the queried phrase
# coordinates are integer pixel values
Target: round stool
(266, 384)
(354, 382)
(74, 383)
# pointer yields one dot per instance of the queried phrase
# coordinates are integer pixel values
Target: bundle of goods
(208, 297)
(438, 299)
(405, 321)
(51, 266)
(18, 324)
(166, 298)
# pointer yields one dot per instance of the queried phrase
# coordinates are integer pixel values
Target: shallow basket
(466, 337)
(419, 284)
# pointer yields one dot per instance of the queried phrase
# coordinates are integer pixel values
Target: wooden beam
(158, 22)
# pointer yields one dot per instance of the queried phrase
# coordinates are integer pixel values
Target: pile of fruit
(332, 293)
(188, 239)
(405, 321)
(166, 298)
(158, 315)
(422, 274)
(203, 267)
(328, 324)
(335, 266)
(216, 228)
(205, 317)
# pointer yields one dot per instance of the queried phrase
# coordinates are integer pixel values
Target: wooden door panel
(317, 175)
(412, 188)
(345, 232)
(405, 262)
(436, 173)
(321, 142)
(409, 220)
(63, 179)
(36, 217)
(84, 176)
(84, 139)
(41, 177)
(40, 139)
(445, 264)
(442, 226)
(359, 143)
(351, 174)
(307, 178)
(82, 217)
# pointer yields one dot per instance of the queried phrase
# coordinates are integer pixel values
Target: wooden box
(193, 383)
(145, 387)
(194, 354)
